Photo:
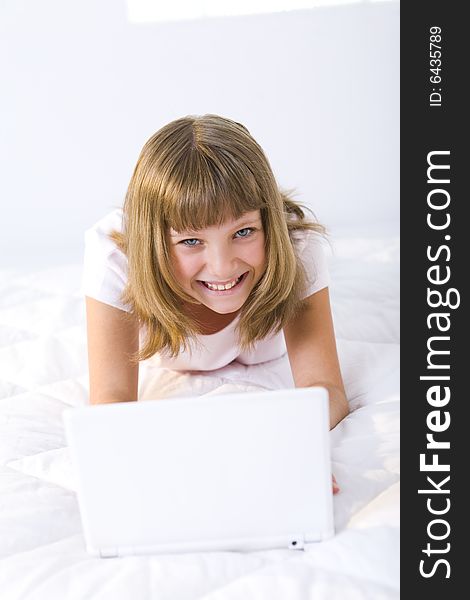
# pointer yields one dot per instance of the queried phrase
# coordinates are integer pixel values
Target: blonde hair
(193, 173)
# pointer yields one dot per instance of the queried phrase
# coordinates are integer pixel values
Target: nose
(220, 263)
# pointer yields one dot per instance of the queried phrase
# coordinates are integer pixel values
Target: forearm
(108, 400)
(339, 406)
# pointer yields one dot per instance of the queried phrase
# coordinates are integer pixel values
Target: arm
(313, 358)
(111, 339)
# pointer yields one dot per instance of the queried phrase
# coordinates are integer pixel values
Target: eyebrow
(190, 231)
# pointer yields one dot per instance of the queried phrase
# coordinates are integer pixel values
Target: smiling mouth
(222, 288)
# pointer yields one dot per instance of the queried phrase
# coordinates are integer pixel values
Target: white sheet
(43, 370)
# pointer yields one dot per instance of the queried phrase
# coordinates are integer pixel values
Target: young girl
(207, 262)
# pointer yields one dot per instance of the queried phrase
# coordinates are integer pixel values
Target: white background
(83, 89)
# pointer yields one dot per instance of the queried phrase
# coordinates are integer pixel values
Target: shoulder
(98, 245)
(311, 248)
(309, 245)
(105, 265)
(99, 231)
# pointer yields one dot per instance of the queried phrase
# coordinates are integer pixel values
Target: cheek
(256, 255)
(184, 266)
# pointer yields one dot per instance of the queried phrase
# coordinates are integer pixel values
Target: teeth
(222, 287)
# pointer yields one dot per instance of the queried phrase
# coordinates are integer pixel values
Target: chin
(225, 309)
(228, 311)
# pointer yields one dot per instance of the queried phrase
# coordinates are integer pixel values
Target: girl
(207, 262)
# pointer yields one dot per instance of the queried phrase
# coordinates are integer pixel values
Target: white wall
(82, 90)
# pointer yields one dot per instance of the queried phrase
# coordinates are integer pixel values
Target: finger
(335, 485)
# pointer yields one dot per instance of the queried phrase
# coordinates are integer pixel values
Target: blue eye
(247, 229)
(190, 240)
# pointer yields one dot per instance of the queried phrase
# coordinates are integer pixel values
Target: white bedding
(43, 370)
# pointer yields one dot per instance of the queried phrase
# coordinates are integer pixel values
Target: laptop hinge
(109, 552)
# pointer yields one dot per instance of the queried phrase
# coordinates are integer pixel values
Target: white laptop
(231, 472)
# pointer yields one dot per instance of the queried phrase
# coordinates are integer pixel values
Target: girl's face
(231, 257)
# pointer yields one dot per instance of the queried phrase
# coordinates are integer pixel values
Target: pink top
(105, 274)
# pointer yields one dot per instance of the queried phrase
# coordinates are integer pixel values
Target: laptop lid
(241, 471)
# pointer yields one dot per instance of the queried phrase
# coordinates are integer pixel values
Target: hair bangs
(203, 191)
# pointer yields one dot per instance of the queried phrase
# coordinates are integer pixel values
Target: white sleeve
(313, 255)
(104, 274)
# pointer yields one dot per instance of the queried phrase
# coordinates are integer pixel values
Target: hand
(335, 485)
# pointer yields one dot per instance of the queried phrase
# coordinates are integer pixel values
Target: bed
(43, 370)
